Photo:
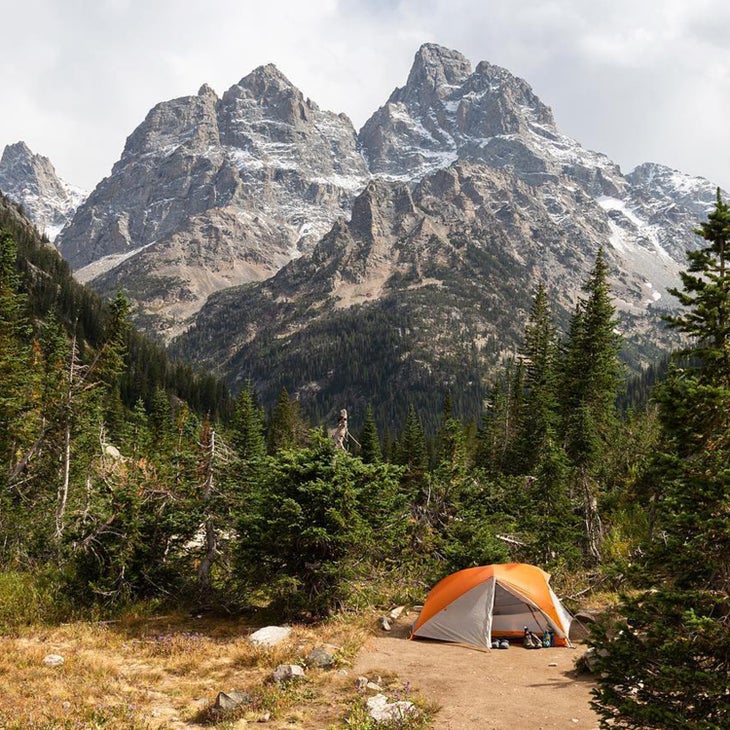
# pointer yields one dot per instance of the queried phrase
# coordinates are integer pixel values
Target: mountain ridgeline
(267, 240)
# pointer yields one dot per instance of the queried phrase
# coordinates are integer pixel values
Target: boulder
(580, 627)
(321, 658)
(270, 635)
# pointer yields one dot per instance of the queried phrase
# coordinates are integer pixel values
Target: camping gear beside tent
(476, 605)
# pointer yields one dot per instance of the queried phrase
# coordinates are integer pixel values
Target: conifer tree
(14, 358)
(286, 428)
(540, 354)
(247, 438)
(591, 376)
(498, 439)
(411, 447)
(370, 451)
(668, 665)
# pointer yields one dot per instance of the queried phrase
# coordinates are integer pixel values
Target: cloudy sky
(640, 80)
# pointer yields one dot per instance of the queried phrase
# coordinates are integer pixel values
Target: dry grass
(164, 673)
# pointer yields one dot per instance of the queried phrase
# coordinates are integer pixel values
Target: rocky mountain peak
(31, 181)
(447, 112)
(435, 70)
(267, 81)
(511, 91)
(207, 91)
(211, 193)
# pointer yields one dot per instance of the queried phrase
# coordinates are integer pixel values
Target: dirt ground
(515, 689)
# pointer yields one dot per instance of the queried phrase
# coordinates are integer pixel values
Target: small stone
(320, 658)
(232, 698)
(373, 687)
(394, 615)
(553, 664)
(361, 683)
(53, 660)
(264, 717)
(385, 623)
(287, 672)
(381, 710)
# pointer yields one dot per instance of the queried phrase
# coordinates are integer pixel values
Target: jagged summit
(206, 90)
(447, 111)
(212, 192)
(434, 70)
(267, 79)
(459, 193)
(31, 181)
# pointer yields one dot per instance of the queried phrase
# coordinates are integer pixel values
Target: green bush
(27, 598)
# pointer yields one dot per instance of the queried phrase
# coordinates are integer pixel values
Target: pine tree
(540, 355)
(706, 294)
(370, 451)
(668, 666)
(591, 376)
(286, 428)
(247, 426)
(111, 362)
(15, 359)
(411, 447)
(498, 439)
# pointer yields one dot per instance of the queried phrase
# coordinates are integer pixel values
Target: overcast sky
(640, 80)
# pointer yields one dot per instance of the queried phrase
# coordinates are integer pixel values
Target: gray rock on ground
(270, 635)
(380, 710)
(320, 657)
(231, 699)
(287, 672)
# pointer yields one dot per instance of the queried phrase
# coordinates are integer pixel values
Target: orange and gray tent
(478, 605)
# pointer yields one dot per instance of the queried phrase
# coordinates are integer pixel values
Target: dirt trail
(513, 689)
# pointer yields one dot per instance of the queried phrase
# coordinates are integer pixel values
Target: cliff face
(30, 180)
(213, 192)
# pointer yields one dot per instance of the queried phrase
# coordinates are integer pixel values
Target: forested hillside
(134, 478)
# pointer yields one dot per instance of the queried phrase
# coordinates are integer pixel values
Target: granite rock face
(210, 193)
(31, 181)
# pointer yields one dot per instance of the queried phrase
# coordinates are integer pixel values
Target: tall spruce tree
(540, 355)
(591, 376)
(370, 451)
(539, 453)
(668, 666)
(498, 437)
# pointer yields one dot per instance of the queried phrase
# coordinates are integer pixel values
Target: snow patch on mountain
(105, 264)
(30, 180)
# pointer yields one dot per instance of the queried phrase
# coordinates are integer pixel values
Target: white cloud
(637, 80)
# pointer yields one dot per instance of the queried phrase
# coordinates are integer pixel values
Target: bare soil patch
(510, 689)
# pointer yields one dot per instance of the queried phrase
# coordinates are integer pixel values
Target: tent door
(512, 612)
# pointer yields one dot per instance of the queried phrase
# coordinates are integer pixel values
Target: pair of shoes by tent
(504, 644)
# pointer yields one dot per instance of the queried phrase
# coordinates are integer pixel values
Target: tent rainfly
(476, 605)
